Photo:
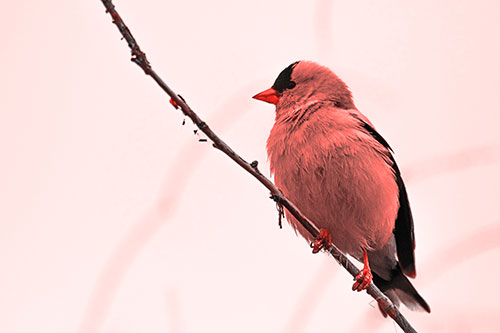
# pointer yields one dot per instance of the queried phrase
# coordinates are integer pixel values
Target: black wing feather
(403, 230)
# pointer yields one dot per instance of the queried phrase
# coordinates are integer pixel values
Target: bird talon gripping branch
(324, 240)
(364, 277)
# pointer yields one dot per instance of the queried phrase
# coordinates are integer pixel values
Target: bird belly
(348, 189)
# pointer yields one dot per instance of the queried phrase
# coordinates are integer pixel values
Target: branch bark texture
(139, 57)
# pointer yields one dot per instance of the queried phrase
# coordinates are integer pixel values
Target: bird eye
(291, 85)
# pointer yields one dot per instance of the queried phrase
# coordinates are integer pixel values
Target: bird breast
(337, 175)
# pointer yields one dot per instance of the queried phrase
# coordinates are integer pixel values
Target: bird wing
(403, 230)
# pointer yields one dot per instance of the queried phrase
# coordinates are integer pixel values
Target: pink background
(114, 218)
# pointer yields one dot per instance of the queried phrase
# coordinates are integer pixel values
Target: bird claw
(324, 240)
(364, 277)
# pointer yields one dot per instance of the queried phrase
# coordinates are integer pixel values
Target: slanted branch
(139, 57)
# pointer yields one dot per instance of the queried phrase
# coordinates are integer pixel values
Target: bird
(329, 160)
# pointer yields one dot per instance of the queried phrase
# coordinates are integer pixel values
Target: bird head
(306, 81)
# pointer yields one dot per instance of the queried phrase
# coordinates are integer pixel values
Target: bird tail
(400, 290)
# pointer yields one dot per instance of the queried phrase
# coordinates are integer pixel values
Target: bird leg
(364, 276)
(324, 240)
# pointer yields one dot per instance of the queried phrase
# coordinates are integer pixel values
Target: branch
(141, 60)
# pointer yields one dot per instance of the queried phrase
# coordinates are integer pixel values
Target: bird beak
(270, 95)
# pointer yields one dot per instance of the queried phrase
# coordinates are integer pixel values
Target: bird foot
(324, 240)
(364, 277)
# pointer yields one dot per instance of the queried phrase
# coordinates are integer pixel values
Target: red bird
(329, 160)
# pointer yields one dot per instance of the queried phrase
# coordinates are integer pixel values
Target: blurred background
(115, 218)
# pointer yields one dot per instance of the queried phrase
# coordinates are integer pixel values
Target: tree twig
(139, 57)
